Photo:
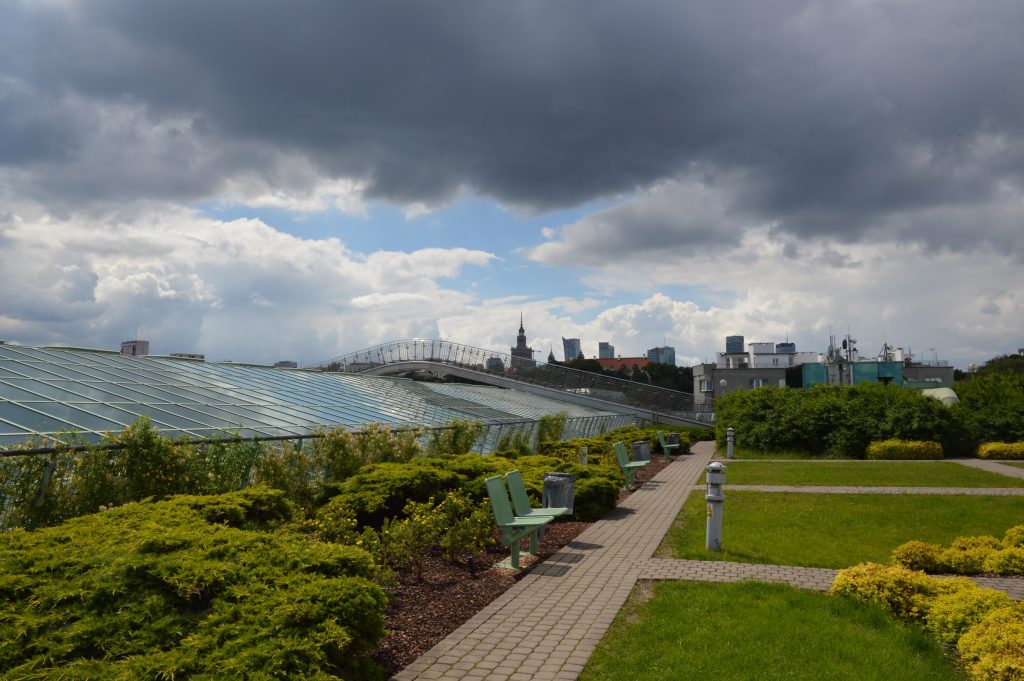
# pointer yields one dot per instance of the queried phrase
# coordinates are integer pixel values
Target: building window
(755, 382)
(705, 385)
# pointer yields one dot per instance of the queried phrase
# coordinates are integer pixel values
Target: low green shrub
(951, 614)
(1008, 562)
(993, 649)
(1001, 450)
(904, 450)
(382, 490)
(904, 593)
(192, 587)
(457, 437)
(919, 555)
(1014, 537)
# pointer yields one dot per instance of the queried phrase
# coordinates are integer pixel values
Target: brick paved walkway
(546, 626)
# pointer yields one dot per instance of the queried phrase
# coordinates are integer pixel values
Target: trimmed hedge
(193, 587)
(986, 626)
(904, 450)
(1001, 450)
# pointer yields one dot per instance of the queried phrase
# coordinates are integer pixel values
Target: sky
(261, 181)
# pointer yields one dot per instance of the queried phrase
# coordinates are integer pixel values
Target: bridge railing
(555, 376)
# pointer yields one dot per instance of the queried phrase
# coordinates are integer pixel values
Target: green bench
(513, 527)
(666, 447)
(629, 468)
(521, 500)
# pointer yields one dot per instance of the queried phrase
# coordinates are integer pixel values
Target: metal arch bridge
(646, 402)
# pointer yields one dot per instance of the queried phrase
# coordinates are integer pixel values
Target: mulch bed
(423, 611)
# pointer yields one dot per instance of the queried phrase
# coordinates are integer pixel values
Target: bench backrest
(621, 455)
(661, 439)
(517, 490)
(499, 501)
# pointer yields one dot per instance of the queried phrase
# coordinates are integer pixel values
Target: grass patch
(744, 453)
(834, 530)
(694, 630)
(865, 473)
(1015, 464)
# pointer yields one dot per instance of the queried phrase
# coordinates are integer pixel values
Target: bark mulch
(423, 611)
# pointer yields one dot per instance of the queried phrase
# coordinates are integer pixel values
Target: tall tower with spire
(522, 355)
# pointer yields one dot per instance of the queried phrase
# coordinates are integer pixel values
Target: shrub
(993, 649)
(166, 589)
(1008, 562)
(382, 490)
(1014, 537)
(550, 427)
(991, 408)
(952, 614)
(966, 555)
(918, 555)
(904, 449)
(458, 437)
(903, 593)
(464, 528)
(1001, 450)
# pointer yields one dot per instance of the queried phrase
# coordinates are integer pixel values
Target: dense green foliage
(751, 630)
(198, 587)
(912, 450)
(991, 408)
(837, 421)
(986, 626)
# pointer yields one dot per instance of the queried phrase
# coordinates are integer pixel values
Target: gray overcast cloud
(772, 167)
(828, 117)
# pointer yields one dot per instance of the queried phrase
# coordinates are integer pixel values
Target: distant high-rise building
(522, 355)
(570, 348)
(286, 364)
(605, 350)
(734, 345)
(663, 355)
(135, 348)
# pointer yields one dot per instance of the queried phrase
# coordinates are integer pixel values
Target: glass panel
(79, 417)
(30, 419)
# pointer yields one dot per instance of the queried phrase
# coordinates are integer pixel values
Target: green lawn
(694, 630)
(864, 473)
(834, 530)
(1017, 464)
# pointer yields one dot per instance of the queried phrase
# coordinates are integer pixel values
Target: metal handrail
(556, 376)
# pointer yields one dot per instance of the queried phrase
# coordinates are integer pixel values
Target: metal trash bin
(672, 438)
(641, 450)
(559, 490)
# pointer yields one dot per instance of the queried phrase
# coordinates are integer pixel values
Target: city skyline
(257, 182)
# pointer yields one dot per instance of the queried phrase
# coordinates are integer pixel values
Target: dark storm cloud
(830, 118)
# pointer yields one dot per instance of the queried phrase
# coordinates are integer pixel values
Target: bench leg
(533, 543)
(515, 554)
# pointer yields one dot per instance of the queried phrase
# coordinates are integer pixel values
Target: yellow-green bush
(993, 649)
(952, 614)
(1009, 561)
(919, 555)
(904, 449)
(1014, 537)
(902, 592)
(1001, 450)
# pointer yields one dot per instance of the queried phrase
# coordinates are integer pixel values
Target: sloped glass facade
(50, 391)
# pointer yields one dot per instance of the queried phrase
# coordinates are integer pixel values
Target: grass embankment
(692, 630)
(835, 530)
(864, 473)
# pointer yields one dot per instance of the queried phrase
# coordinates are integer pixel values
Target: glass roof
(50, 391)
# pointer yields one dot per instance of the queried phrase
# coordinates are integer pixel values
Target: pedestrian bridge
(597, 391)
